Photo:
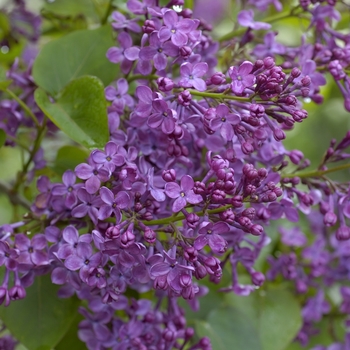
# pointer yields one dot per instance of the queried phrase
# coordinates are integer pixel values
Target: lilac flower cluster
(193, 173)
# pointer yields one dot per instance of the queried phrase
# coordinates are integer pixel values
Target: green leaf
(41, 319)
(280, 319)
(71, 8)
(77, 54)
(70, 339)
(68, 157)
(2, 137)
(229, 328)
(275, 313)
(80, 112)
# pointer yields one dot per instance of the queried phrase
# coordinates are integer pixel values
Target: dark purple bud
(343, 233)
(185, 280)
(186, 13)
(258, 278)
(306, 81)
(256, 110)
(113, 232)
(237, 201)
(127, 239)
(218, 79)
(244, 221)
(278, 191)
(269, 62)
(189, 333)
(185, 51)
(191, 254)
(184, 98)
(200, 271)
(258, 64)
(147, 216)
(192, 220)
(17, 293)
(330, 219)
(249, 213)
(295, 73)
(169, 175)
(150, 235)
(168, 335)
(148, 26)
(296, 156)
(256, 230)
(165, 84)
(262, 172)
(247, 148)
(228, 216)
(218, 195)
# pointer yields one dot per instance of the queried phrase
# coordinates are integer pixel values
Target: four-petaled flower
(183, 193)
(241, 77)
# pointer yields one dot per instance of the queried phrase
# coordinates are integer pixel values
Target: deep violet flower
(183, 193)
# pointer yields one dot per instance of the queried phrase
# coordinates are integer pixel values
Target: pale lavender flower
(176, 29)
(158, 51)
(191, 75)
(121, 22)
(270, 47)
(241, 77)
(246, 19)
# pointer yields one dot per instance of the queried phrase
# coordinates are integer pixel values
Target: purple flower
(183, 193)
(191, 75)
(125, 54)
(209, 233)
(68, 188)
(83, 260)
(241, 77)
(73, 240)
(285, 206)
(224, 121)
(293, 237)
(112, 204)
(270, 47)
(176, 29)
(315, 307)
(89, 205)
(93, 174)
(109, 158)
(31, 251)
(158, 51)
(8, 256)
(168, 268)
(119, 95)
(162, 117)
(245, 19)
(262, 5)
(120, 22)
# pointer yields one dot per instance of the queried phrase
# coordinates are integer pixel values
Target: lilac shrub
(193, 173)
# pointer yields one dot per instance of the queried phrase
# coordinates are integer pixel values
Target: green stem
(219, 96)
(316, 173)
(171, 219)
(108, 12)
(21, 175)
(140, 76)
(24, 106)
(270, 19)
